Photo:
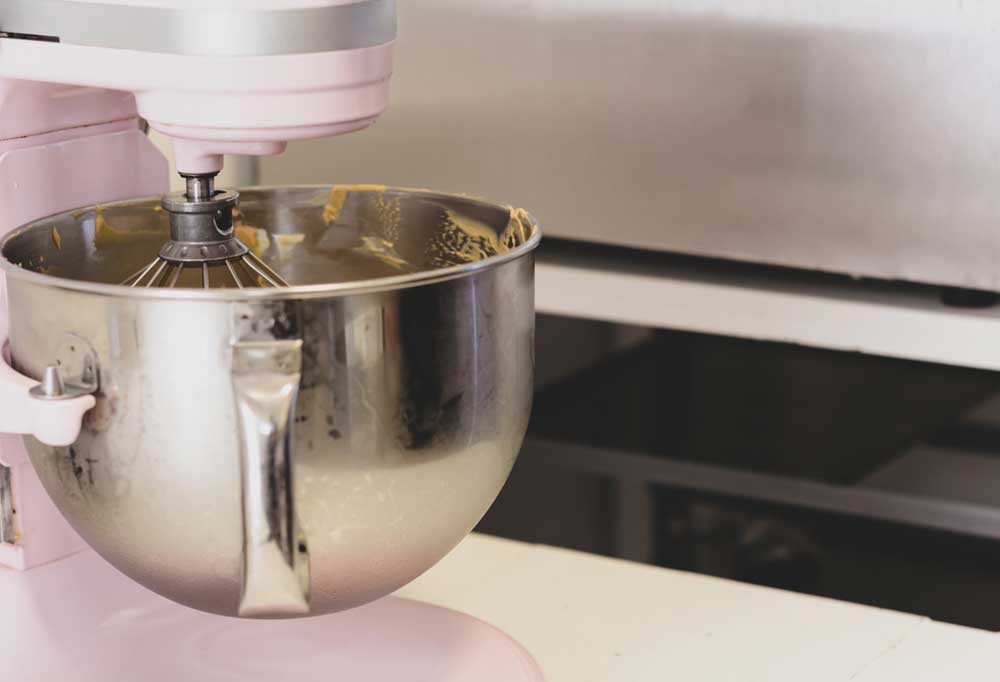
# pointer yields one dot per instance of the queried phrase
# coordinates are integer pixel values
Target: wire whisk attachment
(203, 250)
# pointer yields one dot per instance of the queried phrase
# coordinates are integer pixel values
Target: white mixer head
(218, 76)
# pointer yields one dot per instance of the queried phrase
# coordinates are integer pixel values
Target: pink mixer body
(79, 619)
(239, 105)
(60, 147)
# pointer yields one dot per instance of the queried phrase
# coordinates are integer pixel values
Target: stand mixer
(235, 77)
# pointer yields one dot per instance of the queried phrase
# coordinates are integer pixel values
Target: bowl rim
(337, 289)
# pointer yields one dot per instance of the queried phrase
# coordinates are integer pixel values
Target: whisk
(203, 244)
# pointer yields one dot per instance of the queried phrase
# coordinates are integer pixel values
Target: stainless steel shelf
(823, 311)
(965, 518)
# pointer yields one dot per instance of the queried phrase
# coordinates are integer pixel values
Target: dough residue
(338, 197)
(286, 243)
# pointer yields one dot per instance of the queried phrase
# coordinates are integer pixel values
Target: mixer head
(255, 75)
(203, 247)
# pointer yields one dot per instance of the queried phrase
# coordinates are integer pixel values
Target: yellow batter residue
(255, 238)
(56, 239)
(286, 243)
(464, 240)
(385, 252)
(107, 236)
(519, 230)
(459, 240)
(104, 235)
(338, 197)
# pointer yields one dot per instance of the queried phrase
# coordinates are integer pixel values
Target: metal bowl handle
(265, 377)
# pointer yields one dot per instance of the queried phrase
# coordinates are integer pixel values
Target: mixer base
(79, 619)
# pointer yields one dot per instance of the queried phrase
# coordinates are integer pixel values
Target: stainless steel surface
(856, 136)
(202, 216)
(263, 271)
(199, 187)
(963, 518)
(238, 267)
(266, 376)
(52, 385)
(74, 373)
(416, 317)
(360, 248)
(6, 507)
(197, 252)
(213, 32)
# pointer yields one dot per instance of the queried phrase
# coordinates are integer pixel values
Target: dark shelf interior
(767, 408)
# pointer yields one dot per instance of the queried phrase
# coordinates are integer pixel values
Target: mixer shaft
(200, 187)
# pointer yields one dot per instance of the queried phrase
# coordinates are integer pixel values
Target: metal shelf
(965, 518)
(889, 319)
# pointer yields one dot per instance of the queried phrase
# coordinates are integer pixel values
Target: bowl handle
(265, 377)
(45, 410)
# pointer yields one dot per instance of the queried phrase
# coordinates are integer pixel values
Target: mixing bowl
(278, 453)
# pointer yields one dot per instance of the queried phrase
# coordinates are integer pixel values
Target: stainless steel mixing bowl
(275, 453)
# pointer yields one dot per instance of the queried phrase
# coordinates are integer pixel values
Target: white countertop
(592, 619)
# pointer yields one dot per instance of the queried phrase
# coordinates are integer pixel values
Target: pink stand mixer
(219, 77)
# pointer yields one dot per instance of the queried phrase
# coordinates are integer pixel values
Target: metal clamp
(74, 374)
(53, 422)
